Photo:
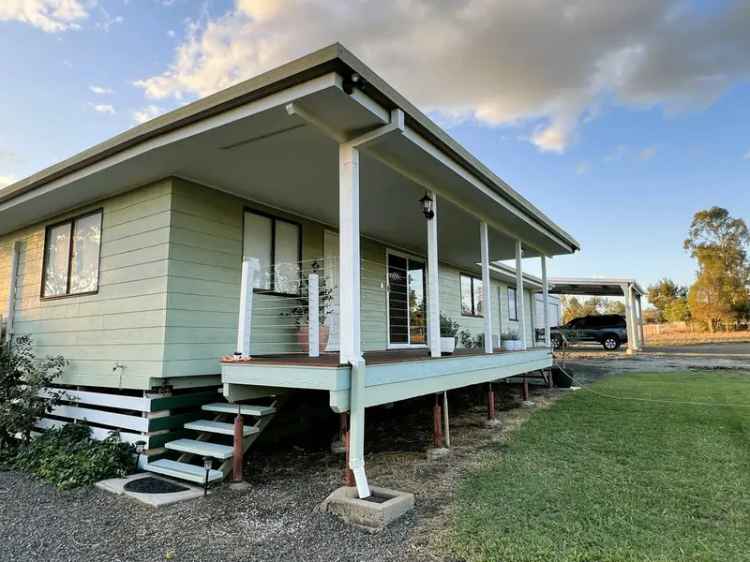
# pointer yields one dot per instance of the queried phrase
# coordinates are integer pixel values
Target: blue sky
(619, 127)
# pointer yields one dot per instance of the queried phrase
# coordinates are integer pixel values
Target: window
(71, 256)
(275, 245)
(512, 304)
(471, 296)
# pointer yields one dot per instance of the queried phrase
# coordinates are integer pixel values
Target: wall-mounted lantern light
(427, 207)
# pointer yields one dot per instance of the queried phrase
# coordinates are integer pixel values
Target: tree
(615, 307)
(718, 242)
(664, 293)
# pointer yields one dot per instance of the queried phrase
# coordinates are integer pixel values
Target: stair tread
(246, 409)
(222, 428)
(183, 471)
(202, 448)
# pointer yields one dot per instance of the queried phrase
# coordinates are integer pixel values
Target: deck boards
(371, 357)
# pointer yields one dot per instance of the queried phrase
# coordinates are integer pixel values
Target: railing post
(249, 271)
(313, 303)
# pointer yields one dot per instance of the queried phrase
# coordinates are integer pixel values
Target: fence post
(313, 303)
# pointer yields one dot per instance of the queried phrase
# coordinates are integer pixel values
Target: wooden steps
(191, 452)
(201, 448)
(184, 471)
(221, 428)
(245, 409)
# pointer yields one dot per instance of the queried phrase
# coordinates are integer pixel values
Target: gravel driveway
(277, 518)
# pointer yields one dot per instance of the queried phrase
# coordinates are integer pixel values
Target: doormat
(151, 485)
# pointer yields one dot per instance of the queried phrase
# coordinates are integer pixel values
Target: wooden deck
(378, 357)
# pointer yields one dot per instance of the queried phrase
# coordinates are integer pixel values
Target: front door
(407, 318)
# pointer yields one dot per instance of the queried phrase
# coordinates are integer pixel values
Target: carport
(609, 287)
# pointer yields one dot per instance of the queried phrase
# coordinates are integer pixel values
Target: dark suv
(606, 329)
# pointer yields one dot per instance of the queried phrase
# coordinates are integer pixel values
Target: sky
(618, 119)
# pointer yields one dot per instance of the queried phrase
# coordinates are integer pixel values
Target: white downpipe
(486, 286)
(545, 302)
(313, 328)
(249, 270)
(433, 280)
(520, 304)
(12, 287)
(357, 427)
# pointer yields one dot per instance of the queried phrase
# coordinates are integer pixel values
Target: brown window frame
(473, 278)
(274, 218)
(514, 300)
(71, 221)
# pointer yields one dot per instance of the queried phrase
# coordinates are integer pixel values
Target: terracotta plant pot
(303, 338)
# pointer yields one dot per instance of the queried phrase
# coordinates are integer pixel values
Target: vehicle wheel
(611, 342)
(557, 342)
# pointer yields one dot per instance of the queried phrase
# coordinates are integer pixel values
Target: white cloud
(146, 114)
(647, 153)
(6, 180)
(48, 15)
(106, 21)
(545, 65)
(101, 90)
(583, 168)
(103, 108)
(171, 33)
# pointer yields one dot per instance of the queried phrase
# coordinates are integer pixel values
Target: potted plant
(511, 342)
(301, 315)
(448, 331)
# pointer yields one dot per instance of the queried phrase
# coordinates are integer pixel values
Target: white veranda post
(634, 317)
(640, 321)
(486, 287)
(629, 320)
(520, 306)
(545, 302)
(433, 280)
(349, 258)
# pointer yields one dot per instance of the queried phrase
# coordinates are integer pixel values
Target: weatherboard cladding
(168, 296)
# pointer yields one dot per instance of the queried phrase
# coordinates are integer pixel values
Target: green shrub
(68, 457)
(22, 379)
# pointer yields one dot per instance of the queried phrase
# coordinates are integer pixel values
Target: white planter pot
(512, 345)
(447, 345)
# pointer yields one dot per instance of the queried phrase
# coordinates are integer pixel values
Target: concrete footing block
(435, 454)
(493, 423)
(372, 514)
(527, 404)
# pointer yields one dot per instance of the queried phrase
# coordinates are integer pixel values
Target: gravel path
(277, 519)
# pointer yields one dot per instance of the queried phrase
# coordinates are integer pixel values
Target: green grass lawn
(596, 479)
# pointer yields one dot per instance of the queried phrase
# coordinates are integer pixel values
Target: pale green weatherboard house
(310, 220)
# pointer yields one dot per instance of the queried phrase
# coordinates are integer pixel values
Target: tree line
(719, 298)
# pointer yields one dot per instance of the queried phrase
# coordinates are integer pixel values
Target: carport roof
(593, 286)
